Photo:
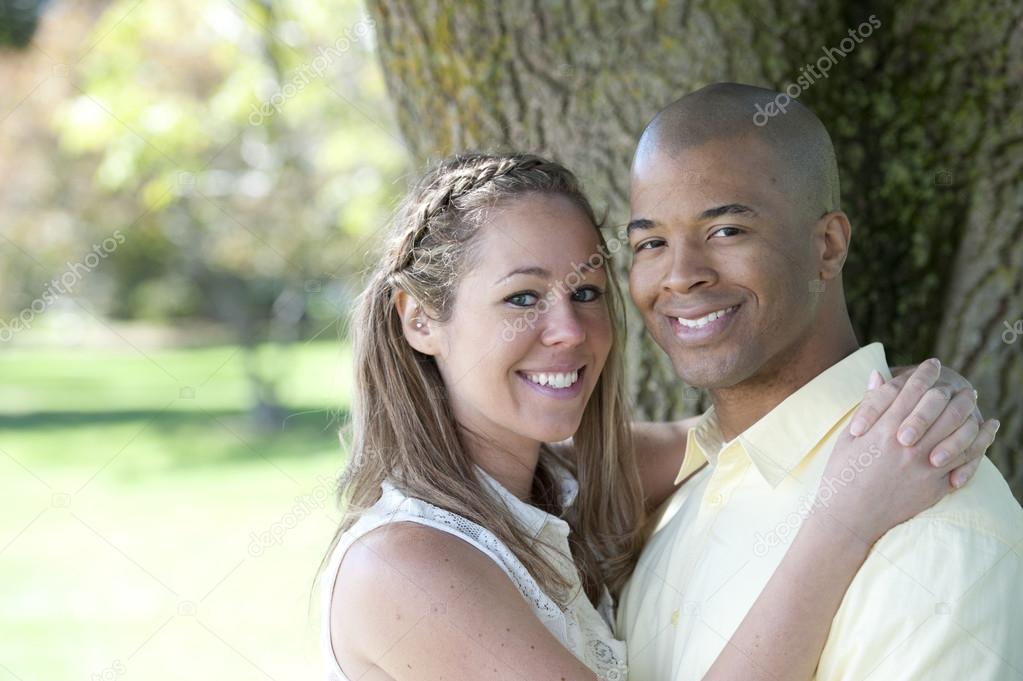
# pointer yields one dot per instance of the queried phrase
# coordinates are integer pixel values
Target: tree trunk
(925, 109)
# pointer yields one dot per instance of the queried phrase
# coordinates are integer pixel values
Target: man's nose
(690, 268)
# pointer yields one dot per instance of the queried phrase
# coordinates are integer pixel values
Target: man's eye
(524, 299)
(587, 294)
(732, 231)
(648, 244)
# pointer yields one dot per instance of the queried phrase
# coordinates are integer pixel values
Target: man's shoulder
(939, 592)
(984, 506)
(955, 544)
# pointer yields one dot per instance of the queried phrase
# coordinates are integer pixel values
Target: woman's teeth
(554, 380)
(706, 319)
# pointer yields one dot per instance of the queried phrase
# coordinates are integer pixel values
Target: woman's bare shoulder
(390, 578)
(415, 601)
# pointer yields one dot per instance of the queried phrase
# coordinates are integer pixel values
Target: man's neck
(740, 406)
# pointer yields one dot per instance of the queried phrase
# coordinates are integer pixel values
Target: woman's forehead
(551, 231)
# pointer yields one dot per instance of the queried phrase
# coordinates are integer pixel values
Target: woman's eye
(524, 299)
(587, 294)
(648, 244)
(733, 231)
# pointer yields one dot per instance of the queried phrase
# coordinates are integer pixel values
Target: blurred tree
(925, 108)
(241, 166)
(18, 20)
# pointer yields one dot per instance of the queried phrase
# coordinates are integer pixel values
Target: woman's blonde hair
(402, 424)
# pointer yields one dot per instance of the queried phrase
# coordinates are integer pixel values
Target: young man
(739, 242)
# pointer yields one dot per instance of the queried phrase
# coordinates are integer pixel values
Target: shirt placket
(725, 477)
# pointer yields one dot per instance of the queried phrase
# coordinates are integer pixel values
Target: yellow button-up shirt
(939, 597)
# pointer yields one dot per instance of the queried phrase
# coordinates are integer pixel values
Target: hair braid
(454, 180)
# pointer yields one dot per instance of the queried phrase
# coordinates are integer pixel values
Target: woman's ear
(415, 324)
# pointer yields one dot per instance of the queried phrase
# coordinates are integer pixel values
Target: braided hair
(446, 208)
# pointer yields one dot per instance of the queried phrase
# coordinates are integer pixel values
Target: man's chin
(709, 372)
(706, 367)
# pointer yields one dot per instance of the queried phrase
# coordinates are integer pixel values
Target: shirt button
(717, 499)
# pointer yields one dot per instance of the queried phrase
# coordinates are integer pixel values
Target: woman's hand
(950, 384)
(885, 475)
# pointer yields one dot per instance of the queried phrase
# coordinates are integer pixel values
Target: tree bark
(926, 114)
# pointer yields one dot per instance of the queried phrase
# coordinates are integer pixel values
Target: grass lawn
(136, 502)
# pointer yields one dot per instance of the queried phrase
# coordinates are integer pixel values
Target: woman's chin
(554, 432)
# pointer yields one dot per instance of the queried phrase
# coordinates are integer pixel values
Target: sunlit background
(188, 194)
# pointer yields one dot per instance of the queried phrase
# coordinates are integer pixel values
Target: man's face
(724, 270)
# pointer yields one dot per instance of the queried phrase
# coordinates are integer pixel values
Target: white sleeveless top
(584, 630)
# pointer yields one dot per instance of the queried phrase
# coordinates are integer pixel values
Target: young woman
(473, 547)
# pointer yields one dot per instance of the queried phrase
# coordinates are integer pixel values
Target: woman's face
(530, 329)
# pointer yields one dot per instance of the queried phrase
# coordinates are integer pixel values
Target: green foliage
(238, 146)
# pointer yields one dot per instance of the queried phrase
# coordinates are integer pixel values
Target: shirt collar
(779, 441)
(533, 518)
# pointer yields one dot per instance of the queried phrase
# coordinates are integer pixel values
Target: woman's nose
(562, 325)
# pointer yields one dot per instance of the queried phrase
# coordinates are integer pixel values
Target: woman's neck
(513, 467)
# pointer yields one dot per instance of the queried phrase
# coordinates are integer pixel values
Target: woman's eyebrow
(533, 270)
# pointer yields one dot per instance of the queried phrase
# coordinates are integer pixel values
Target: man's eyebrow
(727, 209)
(534, 270)
(640, 223)
(709, 214)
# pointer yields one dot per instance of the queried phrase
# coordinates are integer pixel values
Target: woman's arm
(659, 450)
(413, 602)
(660, 447)
(784, 633)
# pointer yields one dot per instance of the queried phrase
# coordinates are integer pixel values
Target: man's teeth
(706, 319)
(555, 380)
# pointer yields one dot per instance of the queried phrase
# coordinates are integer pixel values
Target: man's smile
(702, 326)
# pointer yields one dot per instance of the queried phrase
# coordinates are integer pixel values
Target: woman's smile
(560, 385)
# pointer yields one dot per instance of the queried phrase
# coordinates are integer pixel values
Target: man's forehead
(692, 182)
(693, 165)
(693, 193)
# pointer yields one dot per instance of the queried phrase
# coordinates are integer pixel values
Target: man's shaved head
(806, 164)
(739, 241)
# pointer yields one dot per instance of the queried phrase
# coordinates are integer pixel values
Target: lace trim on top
(587, 632)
